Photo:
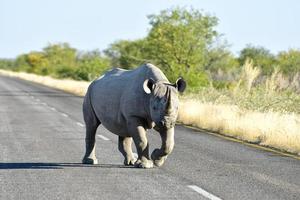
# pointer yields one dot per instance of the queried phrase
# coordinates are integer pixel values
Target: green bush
(65, 72)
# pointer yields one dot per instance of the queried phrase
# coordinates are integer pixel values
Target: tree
(289, 61)
(261, 57)
(62, 61)
(178, 42)
(21, 63)
(127, 54)
(60, 56)
(7, 63)
(220, 58)
(38, 63)
(90, 65)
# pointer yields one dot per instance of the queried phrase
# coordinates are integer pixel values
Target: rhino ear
(148, 85)
(180, 84)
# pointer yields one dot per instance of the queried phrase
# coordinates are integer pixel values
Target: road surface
(42, 144)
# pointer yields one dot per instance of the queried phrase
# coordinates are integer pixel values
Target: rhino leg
(126, 150)
(160, 155)
(90, 146)
(138, 133)
(91, 125)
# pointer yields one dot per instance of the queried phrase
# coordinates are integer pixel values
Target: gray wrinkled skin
(127, 103)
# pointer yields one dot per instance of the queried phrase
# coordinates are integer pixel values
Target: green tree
(289, 61)
(178, 42)
(21, 63)
(7, 63)
(37, 62)
(91, 64)
(60, 56)
(220, 58)
(261, 57)
(127, 54)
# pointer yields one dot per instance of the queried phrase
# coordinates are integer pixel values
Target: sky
(94, 24)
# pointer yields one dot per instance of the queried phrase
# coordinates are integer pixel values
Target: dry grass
(279, 82)
(264, 115)
(276, 130)
(75, 87)
(273, 129)
(249, 74)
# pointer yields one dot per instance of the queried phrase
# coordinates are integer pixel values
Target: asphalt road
(42, 144)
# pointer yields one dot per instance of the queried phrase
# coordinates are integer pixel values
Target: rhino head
(163, 102)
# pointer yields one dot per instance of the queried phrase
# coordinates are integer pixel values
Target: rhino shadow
(41, 165)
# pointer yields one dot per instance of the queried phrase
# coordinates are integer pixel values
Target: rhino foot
(146, 164)
(130, 161)
(90, 161)
(158, 160)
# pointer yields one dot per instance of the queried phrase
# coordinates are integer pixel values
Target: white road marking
(54, 109)
(37, 99)
(103, 137)
(204, 193)
(80, 124)
(64, 114)
(32, 97)
(44, 104)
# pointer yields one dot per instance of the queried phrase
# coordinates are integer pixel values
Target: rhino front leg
(160, 155)
(126, 150)
(138, 133)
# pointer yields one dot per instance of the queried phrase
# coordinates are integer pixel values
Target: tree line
(182, 42)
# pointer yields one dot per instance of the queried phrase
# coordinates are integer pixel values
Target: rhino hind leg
(90, 145)
(91, 125)
(125, 148)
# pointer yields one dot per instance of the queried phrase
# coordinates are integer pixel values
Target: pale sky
(27, 25)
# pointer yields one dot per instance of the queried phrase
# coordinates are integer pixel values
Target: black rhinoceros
(127, 103)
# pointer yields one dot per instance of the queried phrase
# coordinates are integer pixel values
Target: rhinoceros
(127, 103)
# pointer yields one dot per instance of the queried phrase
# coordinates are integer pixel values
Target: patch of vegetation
(268, 95)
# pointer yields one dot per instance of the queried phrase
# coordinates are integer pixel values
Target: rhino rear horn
(180, 84)
(148, 85)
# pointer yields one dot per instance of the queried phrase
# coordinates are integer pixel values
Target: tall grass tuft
(249, 75)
